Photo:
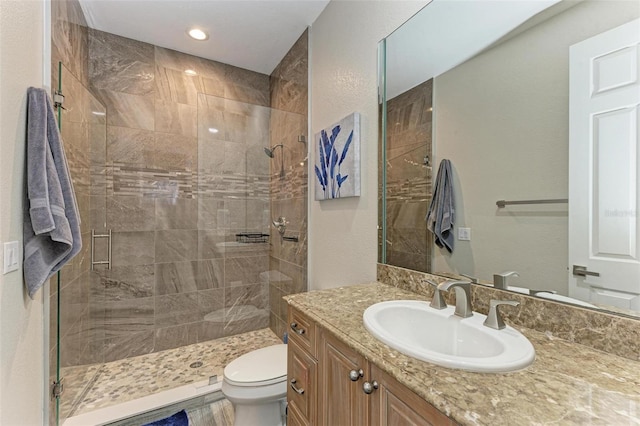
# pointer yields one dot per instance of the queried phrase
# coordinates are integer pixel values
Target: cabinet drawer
(302, 379)
(302, 330)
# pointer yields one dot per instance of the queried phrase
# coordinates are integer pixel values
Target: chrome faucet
(463, 296)
(500, 280)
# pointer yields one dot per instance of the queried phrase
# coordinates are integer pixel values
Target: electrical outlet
(11, 257)
(464, 234)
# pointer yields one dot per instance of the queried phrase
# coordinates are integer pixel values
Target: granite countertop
(567, 384)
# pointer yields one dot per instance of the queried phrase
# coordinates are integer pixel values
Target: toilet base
(267, 414)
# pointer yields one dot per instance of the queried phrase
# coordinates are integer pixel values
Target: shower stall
(177, 199)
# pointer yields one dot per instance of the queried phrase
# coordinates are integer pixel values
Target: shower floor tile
(132, 378)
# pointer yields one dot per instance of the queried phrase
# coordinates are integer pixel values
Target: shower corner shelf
(252, 237)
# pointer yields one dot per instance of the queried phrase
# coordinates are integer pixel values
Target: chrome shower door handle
(581, 271)
(107, 262)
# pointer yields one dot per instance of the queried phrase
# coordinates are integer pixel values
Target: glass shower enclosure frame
(194, 211)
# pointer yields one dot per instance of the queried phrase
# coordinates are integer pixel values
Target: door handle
(581, 271)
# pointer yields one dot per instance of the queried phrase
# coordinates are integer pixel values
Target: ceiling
(448, 32)
(250, 34)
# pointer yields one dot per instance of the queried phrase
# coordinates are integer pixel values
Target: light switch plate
(464, 234)
(11, 257)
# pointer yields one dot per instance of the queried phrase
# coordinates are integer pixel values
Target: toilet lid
(260, 367)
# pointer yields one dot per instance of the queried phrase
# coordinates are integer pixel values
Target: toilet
(256, 384)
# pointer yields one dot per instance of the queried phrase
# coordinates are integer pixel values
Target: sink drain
(196, 364)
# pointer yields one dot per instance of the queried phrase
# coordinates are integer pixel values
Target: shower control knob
(368, 388)
(355, 375)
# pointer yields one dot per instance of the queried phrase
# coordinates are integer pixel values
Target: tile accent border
(599, 330)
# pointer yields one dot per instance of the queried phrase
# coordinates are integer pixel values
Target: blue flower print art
(337, 165)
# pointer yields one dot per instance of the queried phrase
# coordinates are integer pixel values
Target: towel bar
(503, 203)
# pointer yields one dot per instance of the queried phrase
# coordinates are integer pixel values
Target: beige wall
(496, 154)
(21, 342)
(344, 41)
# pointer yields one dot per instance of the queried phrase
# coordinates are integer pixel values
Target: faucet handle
(535, 292)
(500, 280)
(494, 320)
(437, 302)
(473, 279)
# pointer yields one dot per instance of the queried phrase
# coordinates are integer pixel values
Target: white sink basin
(438, 336)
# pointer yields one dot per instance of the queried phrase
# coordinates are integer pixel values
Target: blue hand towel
(440, 216)
(51, 220)
(178, 419)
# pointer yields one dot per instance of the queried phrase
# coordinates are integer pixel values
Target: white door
(604, 180)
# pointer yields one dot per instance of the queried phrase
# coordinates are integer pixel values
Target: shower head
(269, 151)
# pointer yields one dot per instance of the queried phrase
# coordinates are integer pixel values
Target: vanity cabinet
(341, 375)
(302, 367)
(331, 384)
(393, 404)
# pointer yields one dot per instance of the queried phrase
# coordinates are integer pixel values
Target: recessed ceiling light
(213, 130)
(190, 72)
(197, 34)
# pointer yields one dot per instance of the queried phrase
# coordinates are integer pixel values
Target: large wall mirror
(536, 105)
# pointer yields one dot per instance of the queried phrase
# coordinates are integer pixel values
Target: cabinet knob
(368, 388)
(296, 389)
(294, 327)
(355, 375)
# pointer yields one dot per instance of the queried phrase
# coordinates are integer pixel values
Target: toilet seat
(262, 367)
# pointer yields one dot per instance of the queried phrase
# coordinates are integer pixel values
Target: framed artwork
(337, 162)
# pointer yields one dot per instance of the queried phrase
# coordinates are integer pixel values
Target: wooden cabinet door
(341, 401)
(301, 392)
(294, 418)
(392, 404)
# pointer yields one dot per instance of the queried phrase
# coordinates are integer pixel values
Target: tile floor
(91, 387)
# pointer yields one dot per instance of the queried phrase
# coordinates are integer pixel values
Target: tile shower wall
(176, 195)
(288, 259)
(408, 192)
(175, 200)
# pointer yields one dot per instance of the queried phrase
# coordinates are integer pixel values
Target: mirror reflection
(537, 105)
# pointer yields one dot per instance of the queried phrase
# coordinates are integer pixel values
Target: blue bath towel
(178, 419)
(51, 228)
(440, 215)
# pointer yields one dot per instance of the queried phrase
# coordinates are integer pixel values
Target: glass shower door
(72, 357)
